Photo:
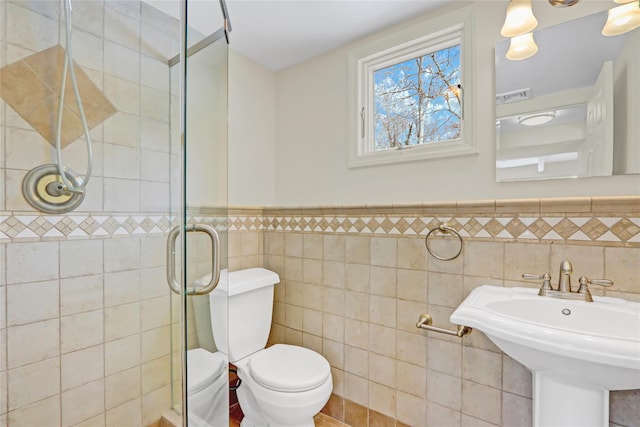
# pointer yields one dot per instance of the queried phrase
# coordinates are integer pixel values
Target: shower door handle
(215, 259)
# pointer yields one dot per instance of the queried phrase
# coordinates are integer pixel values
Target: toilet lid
(203, 368)
(289, 368)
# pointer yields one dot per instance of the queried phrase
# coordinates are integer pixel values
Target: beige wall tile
(312, 342)
(469, 421)
(129, 413)
(32, 302)
(80, 294)
(356, 305)
(382, 311)
(154, 313)
(121, 287)
(382, 399)
(382, 370)
(82, 403)
(121, 254)
(516, 378)
(445, 289)
(293, 244)
(40, 413)
(312, 271)
(384, 251)
(313, 297)
(438, 415)
(444, 390)
(312, 321)
(334, 248)
(382, 339)
(293, 269)
(34, 382)
(121, 354)
(293, 317)
(412, 348)
(411, 410)
(412, 285)
(122, 320)
(156, 374)
(334, 352)
(81, 331)
(481, 402)
(356, 361)
(358, 249)
(484, 259)
(334, 274)
(444, 356)
(383, 281)
(32, 343)
(482, 366)
(313, 246)
(81, 367)
(411, 379)
(357, 277)
(356, 333)
(122, 387)
(522, 258)
(31, 262)
(412, 254)
(623, 267)
(624, 407)
(155, 343)
(334, 301)
(516, 410)
(357, 388)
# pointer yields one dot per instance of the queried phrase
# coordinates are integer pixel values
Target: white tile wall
(71, 311)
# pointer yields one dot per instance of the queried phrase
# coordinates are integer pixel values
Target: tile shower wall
(84, 307)
(354, 280)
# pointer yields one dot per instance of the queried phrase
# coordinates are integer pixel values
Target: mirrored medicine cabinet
(571, 110)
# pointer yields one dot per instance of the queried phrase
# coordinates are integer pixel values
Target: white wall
(252, 148)
(311, 134)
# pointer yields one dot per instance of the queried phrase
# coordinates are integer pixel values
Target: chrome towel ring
(446, 229)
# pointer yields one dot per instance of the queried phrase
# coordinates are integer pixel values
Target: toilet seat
(289, 368)
(203, 369)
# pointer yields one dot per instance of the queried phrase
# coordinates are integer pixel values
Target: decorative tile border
(531, 227)
(593, 220)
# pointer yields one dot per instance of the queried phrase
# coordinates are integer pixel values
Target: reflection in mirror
(572, 109)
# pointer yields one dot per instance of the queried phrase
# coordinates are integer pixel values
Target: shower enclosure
(90, 332)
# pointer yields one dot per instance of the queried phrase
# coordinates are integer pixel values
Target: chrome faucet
(564, 284)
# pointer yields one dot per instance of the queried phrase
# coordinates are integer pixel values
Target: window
(408, 93)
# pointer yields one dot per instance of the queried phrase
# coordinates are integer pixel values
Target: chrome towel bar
(425, 321)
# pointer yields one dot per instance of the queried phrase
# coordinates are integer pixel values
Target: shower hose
(68, 58)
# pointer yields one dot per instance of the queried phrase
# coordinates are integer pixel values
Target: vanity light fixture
(622, 19)
(522, 47)
(537, 119)
(519, 19)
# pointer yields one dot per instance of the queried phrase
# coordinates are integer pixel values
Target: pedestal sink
(578, 351)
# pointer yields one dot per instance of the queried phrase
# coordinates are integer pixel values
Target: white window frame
(395, 47)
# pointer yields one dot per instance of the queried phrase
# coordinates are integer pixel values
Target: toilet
(207, 385)
(283, 385)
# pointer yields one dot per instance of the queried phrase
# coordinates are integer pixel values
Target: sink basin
(577, 350)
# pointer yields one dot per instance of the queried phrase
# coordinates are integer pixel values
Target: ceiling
(281, 33)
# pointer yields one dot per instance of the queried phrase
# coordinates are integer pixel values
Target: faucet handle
(546, 279)
(585, 282)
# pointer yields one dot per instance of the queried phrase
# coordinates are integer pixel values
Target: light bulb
(519, 19)
(522, 47)
(622, 19)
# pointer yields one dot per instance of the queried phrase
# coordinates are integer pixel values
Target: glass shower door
(200, 371)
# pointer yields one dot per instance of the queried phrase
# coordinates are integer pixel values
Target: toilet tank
(241, 310)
